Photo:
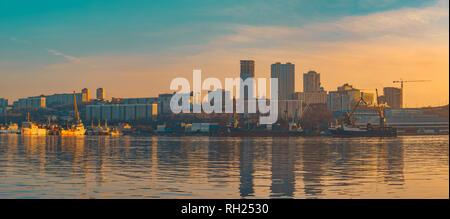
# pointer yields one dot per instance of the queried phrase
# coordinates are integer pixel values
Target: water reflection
(201, 167)
(246, 169)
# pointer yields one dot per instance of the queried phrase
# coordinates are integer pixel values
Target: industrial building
(406, 121)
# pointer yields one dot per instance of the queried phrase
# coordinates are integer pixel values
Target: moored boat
(12, 128)
(78, 128)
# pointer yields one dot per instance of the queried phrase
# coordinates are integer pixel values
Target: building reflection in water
(283, 169)
(390, 162)
(246, 168)
(161, 167)
(220, 162)
(315, 158)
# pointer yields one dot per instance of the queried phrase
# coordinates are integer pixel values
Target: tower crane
(402, 81)
(405, 81)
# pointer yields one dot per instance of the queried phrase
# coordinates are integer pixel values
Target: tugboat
(347, 126)
(76, 129)
(30, 128)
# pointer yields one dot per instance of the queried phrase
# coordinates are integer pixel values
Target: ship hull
(9, 131)
(35, 132)
(365, 133)
(251, 133)
(72, 133)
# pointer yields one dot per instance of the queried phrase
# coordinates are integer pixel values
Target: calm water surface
(202, 167)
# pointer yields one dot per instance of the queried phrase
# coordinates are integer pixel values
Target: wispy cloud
(56, 53)
(19, 40)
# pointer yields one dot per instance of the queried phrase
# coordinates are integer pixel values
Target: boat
(76, 129)
(348, 131)
(12, 128)
(347, 126)
(30, 128)
(239, 132)
(103, 130)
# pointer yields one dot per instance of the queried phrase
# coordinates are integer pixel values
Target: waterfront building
(393, 97)
(225, 95)
(3, 105)
(63, 99)
(311, 82)
(247, 71)
(164, 103)
(285, 73)
(143, 100)
(346, 97)
(121, 112)
(31, 102)
(319, 97)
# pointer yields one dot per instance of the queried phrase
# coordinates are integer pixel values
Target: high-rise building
(393, 97)
(248, 67)
(100, 94)
(3, 105)
(286, 79)
(311, 82)
(247, 71)
(86, 95)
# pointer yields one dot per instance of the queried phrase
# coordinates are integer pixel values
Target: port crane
(381, 112)
(348, 117)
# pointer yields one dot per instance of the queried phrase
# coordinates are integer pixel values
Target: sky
(135, 48)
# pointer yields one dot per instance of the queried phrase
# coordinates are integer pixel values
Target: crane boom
(406, 81)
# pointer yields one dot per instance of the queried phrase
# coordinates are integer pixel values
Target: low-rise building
(311, 97)
(346, 97)
(31, 102)
(121, 112)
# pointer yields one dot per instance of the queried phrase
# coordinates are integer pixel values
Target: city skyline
(368, 47)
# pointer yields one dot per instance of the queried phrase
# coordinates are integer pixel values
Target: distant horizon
(135, 49)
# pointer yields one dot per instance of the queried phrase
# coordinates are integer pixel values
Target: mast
(77, 115)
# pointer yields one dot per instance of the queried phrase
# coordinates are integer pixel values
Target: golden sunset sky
(136, 52)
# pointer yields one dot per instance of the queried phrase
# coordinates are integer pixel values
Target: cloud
(19, 41)
(56, 53)
(367, 51)
(426, 24)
